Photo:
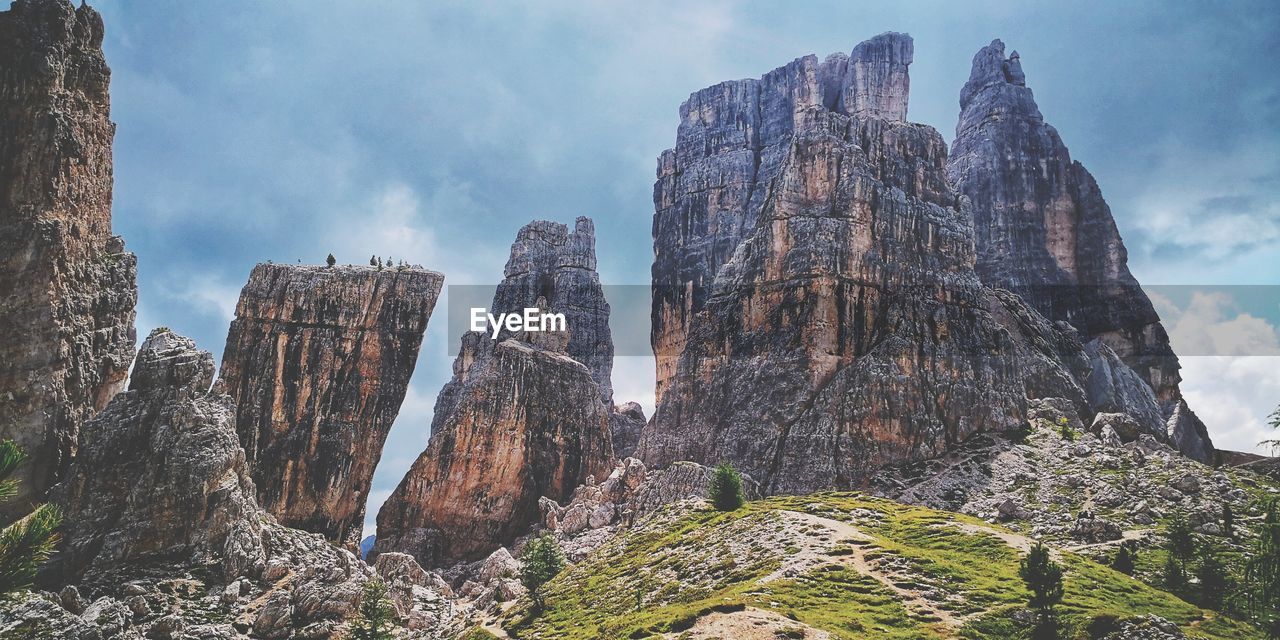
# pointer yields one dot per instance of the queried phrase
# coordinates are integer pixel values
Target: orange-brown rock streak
(318, 361)
(526, 416)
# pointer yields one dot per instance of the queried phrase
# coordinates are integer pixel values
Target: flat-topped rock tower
(318, 361)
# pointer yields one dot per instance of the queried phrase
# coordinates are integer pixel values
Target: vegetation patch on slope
(840, 565)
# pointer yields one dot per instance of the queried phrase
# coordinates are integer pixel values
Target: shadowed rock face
(160, 478)
(550, 263)
(1043, 231)
(814, 274)
(521, 419)
(67, 287)
(318, 360)
(625, 423)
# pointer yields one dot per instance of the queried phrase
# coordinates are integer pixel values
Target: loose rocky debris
(597, 510)
(1088, 491)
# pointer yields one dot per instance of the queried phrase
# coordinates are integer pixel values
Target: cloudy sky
(430, 132)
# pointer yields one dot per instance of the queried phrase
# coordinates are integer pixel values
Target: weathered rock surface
(160, 477)
(423, 601)
(814, 274)
(318, 360)
(1099, 490)
(557, 266)
(162, 532)
(521, 419)
(67, 286)
(626, 421)
(1044, 232)
(630, 492)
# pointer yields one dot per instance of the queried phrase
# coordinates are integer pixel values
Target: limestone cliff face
(318, 360)
(160, 477)
(550, 263)
(161, 521)
(67, 287)
(732, 142)
(1044, 232)
(523, 418)
(814, 284)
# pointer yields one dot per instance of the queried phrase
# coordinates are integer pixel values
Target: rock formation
(67, 286)
(524, 416)
(1043, 231)
(629, 493)
(550, 263)
(160, 477)
(814, 274)
(160, 512)
(626, 421)
(318, 360)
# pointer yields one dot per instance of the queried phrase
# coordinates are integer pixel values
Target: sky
(430, 132)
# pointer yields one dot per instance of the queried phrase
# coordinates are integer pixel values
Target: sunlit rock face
(1043, 231)
(67, 286)
(526, 415)
(318, 361)
(816, 312)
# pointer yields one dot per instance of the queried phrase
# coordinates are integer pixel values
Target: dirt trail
(1020, 542)
(1131, 534)
(492, 623)
(748, 624)
(912, 599)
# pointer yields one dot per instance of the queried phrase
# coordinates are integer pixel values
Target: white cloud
(1205, 328)
(1233, 395)
(1232, 381)
(633, 381)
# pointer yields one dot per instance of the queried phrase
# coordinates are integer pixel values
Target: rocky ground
(1084, 488)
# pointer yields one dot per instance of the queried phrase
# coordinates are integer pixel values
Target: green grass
(662, 576)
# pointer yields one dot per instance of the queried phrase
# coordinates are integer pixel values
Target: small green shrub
(725, 489)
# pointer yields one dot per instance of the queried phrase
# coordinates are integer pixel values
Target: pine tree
(1274, 421)
(26, 543)
(1174, 576)
(1181, 543)
(374, 617)
(725, 489)
(373, 261)
(1262, 574)
(1228, 521)
(1126, 557)
(542, 561)
(1043, 577)
(330, 260)
(1214, 581)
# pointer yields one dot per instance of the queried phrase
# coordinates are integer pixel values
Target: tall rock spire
(1043, 231)
(67, 286)
(732, 141)
(816, 314)
(318, 361)
(524, 417)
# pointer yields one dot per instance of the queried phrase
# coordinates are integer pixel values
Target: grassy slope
(660, 577)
